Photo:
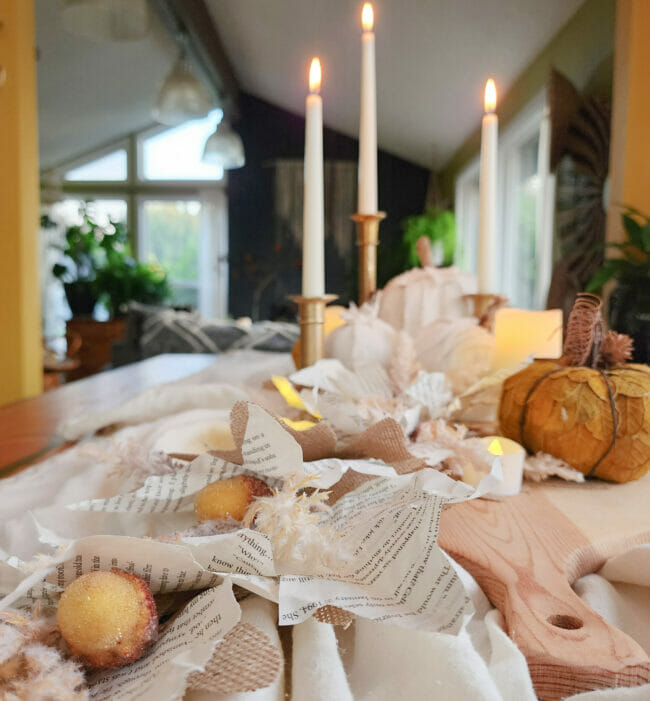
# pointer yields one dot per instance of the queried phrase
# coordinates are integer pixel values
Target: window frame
(104, 150)
(143, 235)
(467, 239)
(138, 171)
(213, 300)
(519, 132)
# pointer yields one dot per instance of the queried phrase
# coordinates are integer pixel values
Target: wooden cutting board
(526, 552)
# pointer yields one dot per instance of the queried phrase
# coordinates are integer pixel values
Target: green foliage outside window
(173, 238)
(173, 233)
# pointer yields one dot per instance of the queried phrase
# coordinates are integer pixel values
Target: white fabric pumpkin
(419, 296)
(460, 348)
(363, 340)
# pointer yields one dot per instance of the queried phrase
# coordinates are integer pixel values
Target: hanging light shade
(106, 20)
(224, 148)
(182, 96)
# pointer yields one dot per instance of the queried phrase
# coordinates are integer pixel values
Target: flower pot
(96, 342)
(81, 297)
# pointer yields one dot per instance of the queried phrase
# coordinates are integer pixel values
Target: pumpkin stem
(582, 345)
(423, 248)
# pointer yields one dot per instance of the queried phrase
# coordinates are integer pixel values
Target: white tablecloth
(370, 661)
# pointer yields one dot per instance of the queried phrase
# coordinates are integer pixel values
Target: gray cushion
(169, 331)
(277, 336)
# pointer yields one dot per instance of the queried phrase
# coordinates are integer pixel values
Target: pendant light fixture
(224, 148)
(182, 96)
(106, 20)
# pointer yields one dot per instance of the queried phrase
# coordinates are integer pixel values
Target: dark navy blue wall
(269, 133)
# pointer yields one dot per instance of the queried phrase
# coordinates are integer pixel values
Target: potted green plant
(98, 266)
(78, 270)
(439, 226)
(629, 303)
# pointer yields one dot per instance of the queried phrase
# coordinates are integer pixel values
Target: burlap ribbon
(245, 660)
(383, 441)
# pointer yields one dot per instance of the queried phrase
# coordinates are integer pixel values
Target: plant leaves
(601, 276)
(645, 237)
(633, 230)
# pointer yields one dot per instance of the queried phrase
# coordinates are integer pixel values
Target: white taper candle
(487, 224)
(313, 237)
(367, 202)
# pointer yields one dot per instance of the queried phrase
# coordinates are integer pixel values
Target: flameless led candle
(520, 333)
(487, 223)
(313, 253)
(511, 457)
(367, 202)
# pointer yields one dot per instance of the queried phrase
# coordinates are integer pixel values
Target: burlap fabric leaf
(317, 442)
(383, 441)
(245, 660)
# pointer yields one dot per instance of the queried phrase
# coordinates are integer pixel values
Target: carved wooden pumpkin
(596, 418)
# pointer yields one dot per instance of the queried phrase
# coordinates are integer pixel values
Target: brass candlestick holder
(367, 240)
(485, 307)
(311, 311)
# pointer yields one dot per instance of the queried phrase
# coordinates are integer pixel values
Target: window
(170, 232)
(111, 167)
(175, 208)
(518, 254)
(189, 238)
(525, 191)
(175, 154)
(467, 209)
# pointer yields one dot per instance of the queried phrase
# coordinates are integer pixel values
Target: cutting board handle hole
(560, 620)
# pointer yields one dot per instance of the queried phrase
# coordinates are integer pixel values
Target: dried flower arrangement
(292, 518)
(31, 663)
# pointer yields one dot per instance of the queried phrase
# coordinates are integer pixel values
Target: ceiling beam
(192, 18)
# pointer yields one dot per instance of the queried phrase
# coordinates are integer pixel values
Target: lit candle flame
(367, 17)
(495, 447)
(314, 76)
(490, 96)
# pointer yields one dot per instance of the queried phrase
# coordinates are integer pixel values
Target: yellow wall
(630, 147)
(581, 50)
(20, 320)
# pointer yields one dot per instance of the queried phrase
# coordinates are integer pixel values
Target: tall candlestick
(487, 225)
(367, 202)
(313, 241)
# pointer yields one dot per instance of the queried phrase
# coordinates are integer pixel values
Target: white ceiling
(89, 92)
(433, 57)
